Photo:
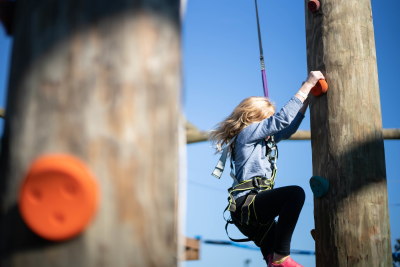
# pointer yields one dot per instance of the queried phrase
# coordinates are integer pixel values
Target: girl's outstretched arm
(268, 127)
(290, 130)
(294, 126)
(257, 131)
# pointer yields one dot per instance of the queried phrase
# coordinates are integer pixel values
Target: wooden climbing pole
(352, 220)
(99, 80)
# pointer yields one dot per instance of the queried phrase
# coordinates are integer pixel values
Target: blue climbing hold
(319, 186)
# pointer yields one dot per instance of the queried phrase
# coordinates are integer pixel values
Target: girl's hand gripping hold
(311, 81)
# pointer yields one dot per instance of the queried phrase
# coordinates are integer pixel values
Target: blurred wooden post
(99, 80)
(352, 220)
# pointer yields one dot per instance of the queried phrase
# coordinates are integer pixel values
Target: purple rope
(265, 85)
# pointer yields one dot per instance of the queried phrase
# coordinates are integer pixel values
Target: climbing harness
(263, 73)
(255, 230)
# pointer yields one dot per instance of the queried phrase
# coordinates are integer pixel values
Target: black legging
(285, 202)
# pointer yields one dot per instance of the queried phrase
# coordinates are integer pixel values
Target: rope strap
(259, 34)
(256, 230)
(263, 73)
(219, 169)
(245, 217)
(234, 240)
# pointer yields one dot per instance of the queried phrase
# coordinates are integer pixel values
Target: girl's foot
(288, 262)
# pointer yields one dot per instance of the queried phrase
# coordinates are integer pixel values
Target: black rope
(259, 33)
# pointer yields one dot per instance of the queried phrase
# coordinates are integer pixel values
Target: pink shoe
(289, 262)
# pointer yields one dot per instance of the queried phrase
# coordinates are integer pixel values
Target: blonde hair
(251, 110)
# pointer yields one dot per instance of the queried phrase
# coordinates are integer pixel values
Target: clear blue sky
(221, 68)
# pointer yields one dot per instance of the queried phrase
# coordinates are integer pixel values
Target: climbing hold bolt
(313, 5)
(320, 88)
(319, 186)
(58, 197)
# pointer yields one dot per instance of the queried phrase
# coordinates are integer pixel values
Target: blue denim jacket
(249, 159)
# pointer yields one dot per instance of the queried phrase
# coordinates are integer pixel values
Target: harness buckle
(256, 184)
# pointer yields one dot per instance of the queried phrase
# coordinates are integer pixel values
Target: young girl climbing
(249, 135)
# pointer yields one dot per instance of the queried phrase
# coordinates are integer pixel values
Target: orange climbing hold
(320, 88)
(58, 197)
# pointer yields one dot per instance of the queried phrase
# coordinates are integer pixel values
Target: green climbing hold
(319, 186)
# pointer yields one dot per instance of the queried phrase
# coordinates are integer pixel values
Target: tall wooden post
(352, 221)
(99, 80)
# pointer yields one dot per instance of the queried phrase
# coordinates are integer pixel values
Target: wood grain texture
(352, 221)
(99, 80)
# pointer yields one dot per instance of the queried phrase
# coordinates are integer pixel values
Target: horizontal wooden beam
(391, 134)
(195, 136)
